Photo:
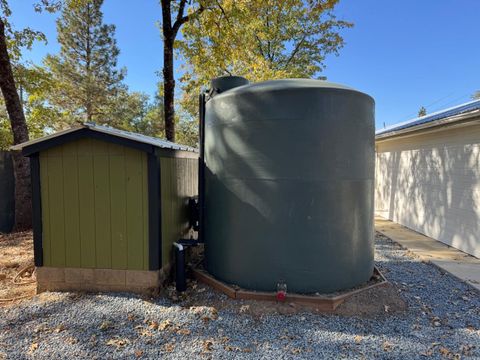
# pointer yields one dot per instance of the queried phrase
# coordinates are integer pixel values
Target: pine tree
(85, 71)
(422, 111)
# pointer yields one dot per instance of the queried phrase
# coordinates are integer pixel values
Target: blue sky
(403, 53)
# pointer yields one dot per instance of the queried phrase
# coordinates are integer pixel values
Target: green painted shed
(107, 206)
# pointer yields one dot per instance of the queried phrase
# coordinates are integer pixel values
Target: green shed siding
(179, 181)
(94, 206)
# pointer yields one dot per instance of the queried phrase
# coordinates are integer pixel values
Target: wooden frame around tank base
(322, 303)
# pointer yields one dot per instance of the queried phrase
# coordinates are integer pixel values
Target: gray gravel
(442, 321)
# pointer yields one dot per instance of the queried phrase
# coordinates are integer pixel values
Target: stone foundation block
(102, 280)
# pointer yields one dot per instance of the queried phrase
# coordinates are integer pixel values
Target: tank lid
(224, 83)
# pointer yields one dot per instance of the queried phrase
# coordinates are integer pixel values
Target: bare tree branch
(295, 51)
(183, 19)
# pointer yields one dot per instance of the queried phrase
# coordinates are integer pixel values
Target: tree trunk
(23, 197)
(169, 90)
(168, 78)
(169, 34)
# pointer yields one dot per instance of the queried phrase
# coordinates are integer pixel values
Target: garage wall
(94, 206)
(431, 184)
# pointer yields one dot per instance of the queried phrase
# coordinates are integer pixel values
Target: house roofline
(464, 119)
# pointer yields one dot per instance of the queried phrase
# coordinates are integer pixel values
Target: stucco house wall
(430, 182)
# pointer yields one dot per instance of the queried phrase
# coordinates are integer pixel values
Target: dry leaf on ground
(105, 325)
(33, 347)
(164, 325)
(152, 324)
(387, 346)
(60, 328)
(183, 332)
(207, 345)
(117, 342)
(169, 347)
(138, 353)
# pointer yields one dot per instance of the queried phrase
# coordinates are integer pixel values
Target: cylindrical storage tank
(289, 176)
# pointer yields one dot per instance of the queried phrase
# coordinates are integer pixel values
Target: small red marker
(281, 295)
(281, 291)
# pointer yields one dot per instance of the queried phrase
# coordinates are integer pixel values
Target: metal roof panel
(164, 144)
(442, 114)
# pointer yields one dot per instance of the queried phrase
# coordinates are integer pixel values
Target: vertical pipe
(201, 167)
(180, 280)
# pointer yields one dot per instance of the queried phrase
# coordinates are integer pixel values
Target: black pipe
(181, 247)
(180, 280)
(201, 168)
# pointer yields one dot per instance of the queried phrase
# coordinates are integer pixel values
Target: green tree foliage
(152, 123)
(187, 132)
(258, 39)
(15, 40)
(135, 112)
(32, 82)
(86, 78)
(23, 38)
(476, 95)
(422, 111)
(11, 43)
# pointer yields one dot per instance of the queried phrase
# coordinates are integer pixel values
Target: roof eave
(25, 144)
(440, 123)
(81, 133)
(133, 140)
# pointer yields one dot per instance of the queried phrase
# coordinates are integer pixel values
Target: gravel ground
(442, 320)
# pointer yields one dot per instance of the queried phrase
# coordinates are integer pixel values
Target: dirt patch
(382, 300)
(378, 301)
(16, 254)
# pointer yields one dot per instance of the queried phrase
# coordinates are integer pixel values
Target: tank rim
(288, 85)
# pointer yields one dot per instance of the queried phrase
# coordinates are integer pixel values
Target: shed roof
(107, 130)
(432, 119)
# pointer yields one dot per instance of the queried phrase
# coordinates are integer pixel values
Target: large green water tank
(289, 176)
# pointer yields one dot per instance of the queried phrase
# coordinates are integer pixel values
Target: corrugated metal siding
(94, 206)
(431, 184)
(179, 182)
